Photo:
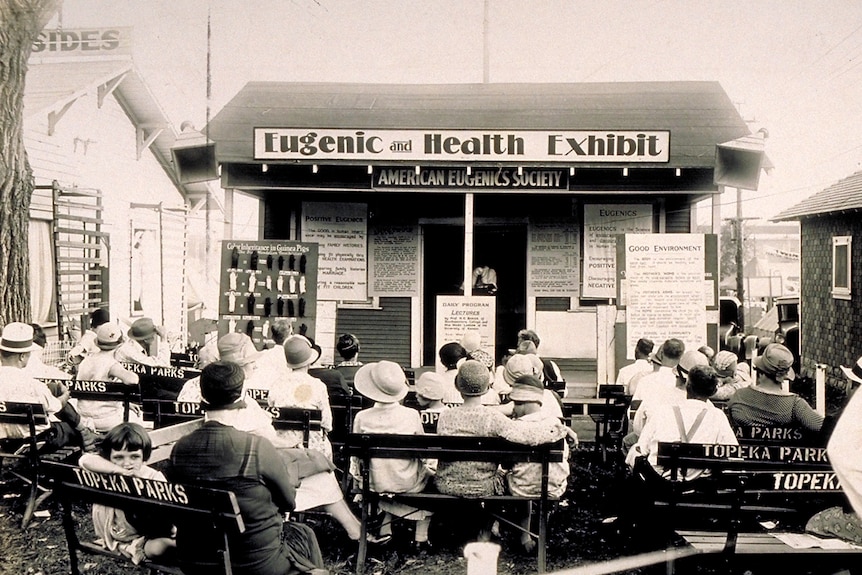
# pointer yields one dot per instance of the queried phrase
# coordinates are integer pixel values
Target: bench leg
(543, 535)
(362, 552)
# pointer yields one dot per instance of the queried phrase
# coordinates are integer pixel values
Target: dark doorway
(502, 247)
(443, 274)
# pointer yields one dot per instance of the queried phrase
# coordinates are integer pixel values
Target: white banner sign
(340, 230)
(552, 258)
(602, 223)
(664, 291)
(421, 146)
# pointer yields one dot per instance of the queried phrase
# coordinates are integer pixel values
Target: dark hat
(142, 329)
(451, 353)
(99, 316)
(776, 361)
(108, 336)
(853, 373)
(382, 381)
(299, 351)
(473, 378)
(221, 385)
(17, 337)
(347, 343)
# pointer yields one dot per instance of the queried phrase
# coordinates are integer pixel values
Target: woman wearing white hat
(384, 383)
(299, 389)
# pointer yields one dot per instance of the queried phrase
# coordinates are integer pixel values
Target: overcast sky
(792, 67)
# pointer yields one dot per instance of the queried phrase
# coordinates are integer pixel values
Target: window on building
(841, 250)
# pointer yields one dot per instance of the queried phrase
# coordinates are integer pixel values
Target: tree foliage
(21, 21)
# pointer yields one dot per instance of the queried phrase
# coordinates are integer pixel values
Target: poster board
(456, 315)
(340, 231)
(668, 287)
(602, 224)
(262, 281)
(393, 261)
(552, 258)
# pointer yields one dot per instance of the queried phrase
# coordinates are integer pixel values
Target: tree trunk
(21, 21)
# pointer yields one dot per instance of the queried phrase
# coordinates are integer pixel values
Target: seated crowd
(274, 473)
(690, 396)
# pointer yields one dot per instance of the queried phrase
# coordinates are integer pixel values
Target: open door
(501, 247)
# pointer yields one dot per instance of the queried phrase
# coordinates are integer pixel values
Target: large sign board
(553, 247)
(664, 287)
(602, 224)
(393, 261)
(457, 315)
(262, 281)
(80, 42)
(422, 146)
(340, 230)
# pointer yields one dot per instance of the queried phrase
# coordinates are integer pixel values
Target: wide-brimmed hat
(517, 366)
(142, 329)
(527, 388)
(725, 363)
(382, 381)
(473, 378)
(776, 361)
(237, 348)
(853, 373)
(431, 385)
(299, 351)
(108, 336)
(17, 338)
(221, 386)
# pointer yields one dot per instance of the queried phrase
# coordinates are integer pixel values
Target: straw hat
(382, 381)
(108, 336)
(17, 338)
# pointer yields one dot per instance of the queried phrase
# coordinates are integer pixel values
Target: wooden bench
(155, 498)
(26, 452)
(296, 419)
(161, 382)
(762, 481)
(165, 412)
(367, 446)
(163, 438)
(91, 390)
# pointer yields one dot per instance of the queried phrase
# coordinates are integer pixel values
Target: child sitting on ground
(123, 450)
(385, 384)
(525, 479)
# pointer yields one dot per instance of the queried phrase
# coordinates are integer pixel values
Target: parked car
(787, 332)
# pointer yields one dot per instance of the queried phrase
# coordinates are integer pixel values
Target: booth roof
(699, 115)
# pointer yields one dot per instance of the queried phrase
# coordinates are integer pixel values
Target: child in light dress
(123, 451)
